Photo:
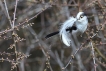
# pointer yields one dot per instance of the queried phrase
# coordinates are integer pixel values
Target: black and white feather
(64, 34)
(79, 24)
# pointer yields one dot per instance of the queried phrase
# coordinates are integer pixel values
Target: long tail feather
(51, 34)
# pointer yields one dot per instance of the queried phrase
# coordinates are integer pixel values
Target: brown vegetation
(25, 23)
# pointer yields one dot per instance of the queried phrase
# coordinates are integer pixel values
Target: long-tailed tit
(77, 24)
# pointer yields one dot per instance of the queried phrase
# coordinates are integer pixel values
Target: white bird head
(81, 17)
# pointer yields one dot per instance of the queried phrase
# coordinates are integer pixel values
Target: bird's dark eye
(81, 16)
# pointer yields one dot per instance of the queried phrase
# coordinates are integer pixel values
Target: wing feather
(65, 34)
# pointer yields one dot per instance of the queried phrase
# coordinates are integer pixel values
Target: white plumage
(80, 22)
(65, 35)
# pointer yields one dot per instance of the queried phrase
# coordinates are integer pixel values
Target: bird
(78, 24)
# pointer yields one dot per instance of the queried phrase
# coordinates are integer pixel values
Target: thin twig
(20, 24)
(93, 56)
(7, 13)
(41, 46)
(13, 33)
(73, 55)
(14, 14)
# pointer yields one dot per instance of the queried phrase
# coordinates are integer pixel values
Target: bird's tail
(51, 34)
(55, 33)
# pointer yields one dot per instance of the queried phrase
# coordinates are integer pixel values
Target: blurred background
(25, 47)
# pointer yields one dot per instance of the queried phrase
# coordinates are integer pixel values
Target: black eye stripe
(83, 14)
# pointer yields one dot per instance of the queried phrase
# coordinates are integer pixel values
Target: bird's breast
(82, 27)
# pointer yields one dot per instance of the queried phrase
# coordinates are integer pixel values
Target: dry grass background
(25, 23)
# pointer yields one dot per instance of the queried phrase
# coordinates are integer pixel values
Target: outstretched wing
(64, 34)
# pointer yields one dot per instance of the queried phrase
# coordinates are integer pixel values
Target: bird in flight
(77, 24)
